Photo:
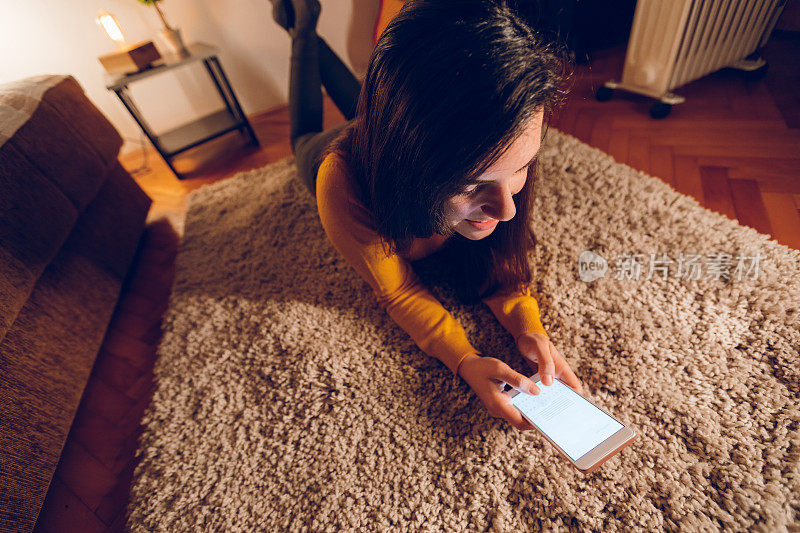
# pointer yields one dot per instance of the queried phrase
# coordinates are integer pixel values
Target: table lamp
(128, 58)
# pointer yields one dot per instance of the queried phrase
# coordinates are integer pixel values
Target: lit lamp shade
(128, 58)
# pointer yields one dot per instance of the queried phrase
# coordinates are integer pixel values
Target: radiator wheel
(757, 74)
(603, 93)
(660, 110)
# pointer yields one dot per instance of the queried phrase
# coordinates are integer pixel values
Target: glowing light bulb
(109, 24)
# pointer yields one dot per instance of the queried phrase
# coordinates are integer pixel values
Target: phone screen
(571, 421)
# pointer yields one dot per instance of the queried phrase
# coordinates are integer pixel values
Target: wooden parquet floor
(734, 145)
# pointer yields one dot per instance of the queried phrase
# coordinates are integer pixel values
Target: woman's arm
(517, 311)
(348, 225)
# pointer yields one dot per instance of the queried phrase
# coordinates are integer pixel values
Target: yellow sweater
(350, 227)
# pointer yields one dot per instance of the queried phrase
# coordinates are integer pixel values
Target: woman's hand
(484, 375)
(537, 348)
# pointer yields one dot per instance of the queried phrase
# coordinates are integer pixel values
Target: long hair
(450, 85)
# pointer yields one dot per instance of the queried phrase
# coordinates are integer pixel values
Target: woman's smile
(487, 224)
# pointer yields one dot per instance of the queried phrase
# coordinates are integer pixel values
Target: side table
(180, 139)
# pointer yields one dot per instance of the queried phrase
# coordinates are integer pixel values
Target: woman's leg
(339, 82)
(305, 92)
(305, 85)
(309, 147)
(299, 19)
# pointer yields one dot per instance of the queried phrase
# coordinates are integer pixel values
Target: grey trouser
(307, 149)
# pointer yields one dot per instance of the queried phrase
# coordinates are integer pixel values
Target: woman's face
(475, 213)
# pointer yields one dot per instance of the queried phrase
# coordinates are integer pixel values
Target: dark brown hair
(451, 84)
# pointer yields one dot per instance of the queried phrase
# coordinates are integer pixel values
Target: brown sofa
(70, 222)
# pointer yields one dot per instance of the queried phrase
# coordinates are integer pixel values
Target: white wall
(61, 37)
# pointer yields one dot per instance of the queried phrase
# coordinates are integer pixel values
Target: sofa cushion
(104, 232)
(46, 359)
(37, 218)
(65, 136)
(56, 150)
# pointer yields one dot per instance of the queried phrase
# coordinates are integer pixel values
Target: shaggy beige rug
(286, 399)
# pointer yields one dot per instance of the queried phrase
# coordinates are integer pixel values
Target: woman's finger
(512, 414)
(571, 379)
(505, 373)
(547, 366)
(567, 375)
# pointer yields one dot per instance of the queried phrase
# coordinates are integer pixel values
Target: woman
(437, 159)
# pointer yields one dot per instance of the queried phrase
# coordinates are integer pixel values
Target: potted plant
(171, 35)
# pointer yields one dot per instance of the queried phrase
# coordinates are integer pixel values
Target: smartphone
(585, 434)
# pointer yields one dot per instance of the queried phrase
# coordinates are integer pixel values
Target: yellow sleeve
(348, 225)
(518, 312)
